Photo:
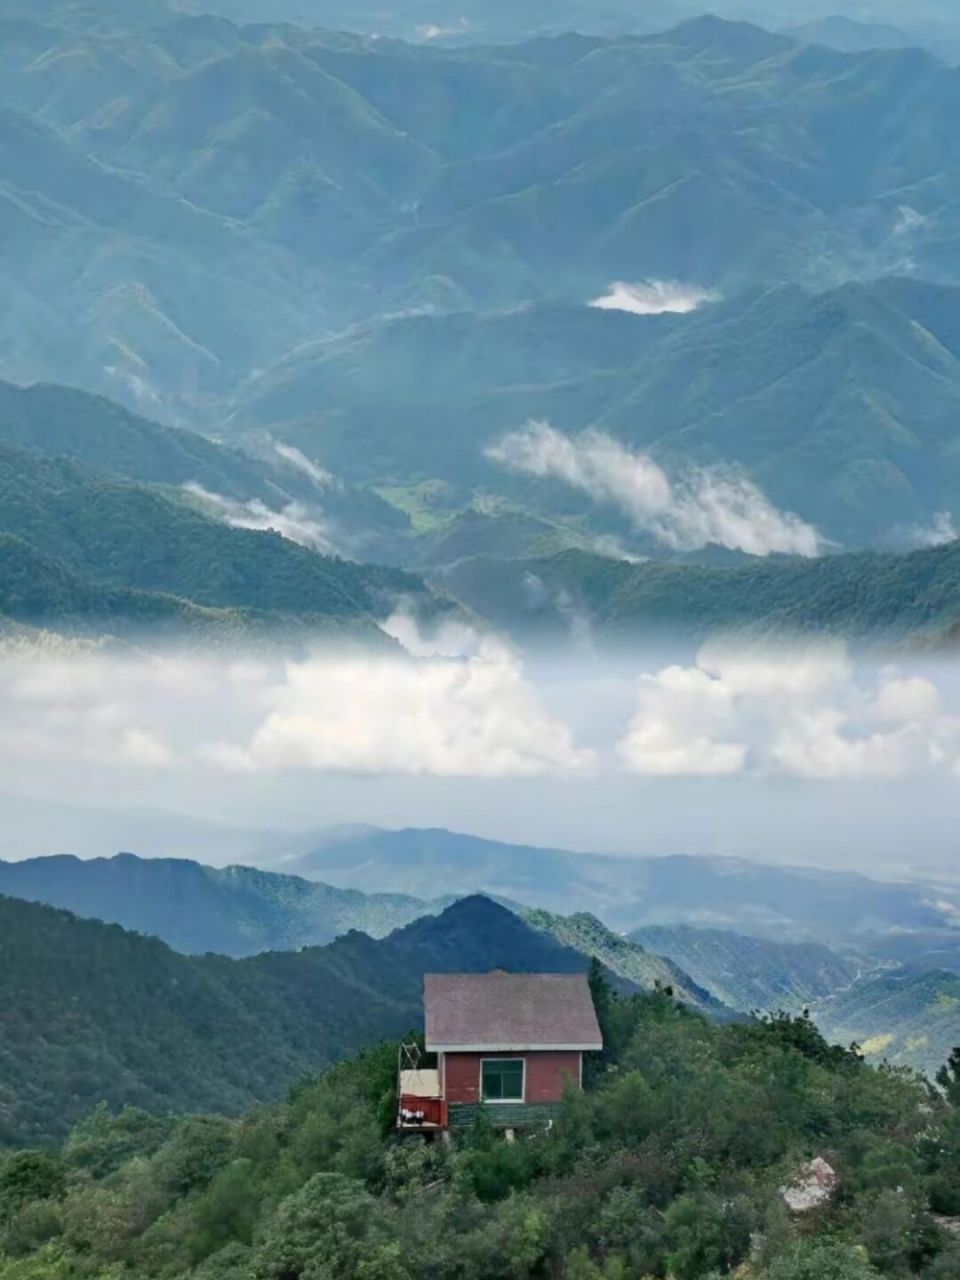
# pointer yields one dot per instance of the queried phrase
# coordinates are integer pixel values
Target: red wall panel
(547, 1074)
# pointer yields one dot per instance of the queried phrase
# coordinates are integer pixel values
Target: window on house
(501, 1080)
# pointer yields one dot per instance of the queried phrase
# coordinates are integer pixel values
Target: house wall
(547, 1075)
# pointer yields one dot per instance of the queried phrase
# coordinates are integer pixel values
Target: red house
(510, 1043)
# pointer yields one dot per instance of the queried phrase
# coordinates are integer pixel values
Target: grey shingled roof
(509, 1011)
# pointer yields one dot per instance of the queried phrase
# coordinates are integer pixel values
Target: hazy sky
(800, 756)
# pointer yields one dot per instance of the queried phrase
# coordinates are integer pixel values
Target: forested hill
(234, 911)
(869, 596)
(89, 1011)
(107, 546)
(645, 968)
(907, 1017)
(64, 422)
(672, 1162)
(754, 973)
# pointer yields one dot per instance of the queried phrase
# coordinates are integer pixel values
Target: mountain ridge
(768, 901)
(110, 1009)
(235, 911)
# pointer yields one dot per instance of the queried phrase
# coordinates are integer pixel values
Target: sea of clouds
(461, 704)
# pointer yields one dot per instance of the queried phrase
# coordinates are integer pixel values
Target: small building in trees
(508, 1044)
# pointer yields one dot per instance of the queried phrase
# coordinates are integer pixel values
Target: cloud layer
(702, 507)
(463, 706)
(803, 715)
(459, 705)
(654, 297)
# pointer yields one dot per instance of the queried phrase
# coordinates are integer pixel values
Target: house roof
(500, 1011)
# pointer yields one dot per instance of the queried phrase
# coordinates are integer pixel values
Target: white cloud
(442, 715)
(908, 220)
(452, 638)
(679, 714)
(295, 521)
(299, 460)
(907, 700)
(718, 506)
(466, 708)
(84, 707)
(805, 714)
(937, 533)
(431, 31)
(446, 717)
(143, 749)
(654, 297)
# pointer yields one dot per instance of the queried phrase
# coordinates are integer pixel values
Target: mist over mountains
(682, 294)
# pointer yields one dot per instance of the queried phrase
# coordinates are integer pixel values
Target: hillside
(836, 404)
(868, 598)
(62, 422)
(216, 228)
(91, 1012)
(672, 1161)
(87, 530)
(218, 260)
(780, 903)
(43, 593)
(627, 959)
(236, 911)
(907, 1017)
(752, 973)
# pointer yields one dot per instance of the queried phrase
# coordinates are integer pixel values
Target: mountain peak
(732, 38)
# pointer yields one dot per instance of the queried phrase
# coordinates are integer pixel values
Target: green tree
(227, 1211)
(331, 1229)
(29, 1175)
(703, 1232)
(821, 1260)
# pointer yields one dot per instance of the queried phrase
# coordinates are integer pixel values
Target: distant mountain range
(726, 924)
(922, 21)
(236, 911)
(352, 290)
(721, 930)
(364, 311)
(240, 911)
(778, 903)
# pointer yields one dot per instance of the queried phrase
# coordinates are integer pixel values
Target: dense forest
(86, 546)
(864, 596)
(671, 1163)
